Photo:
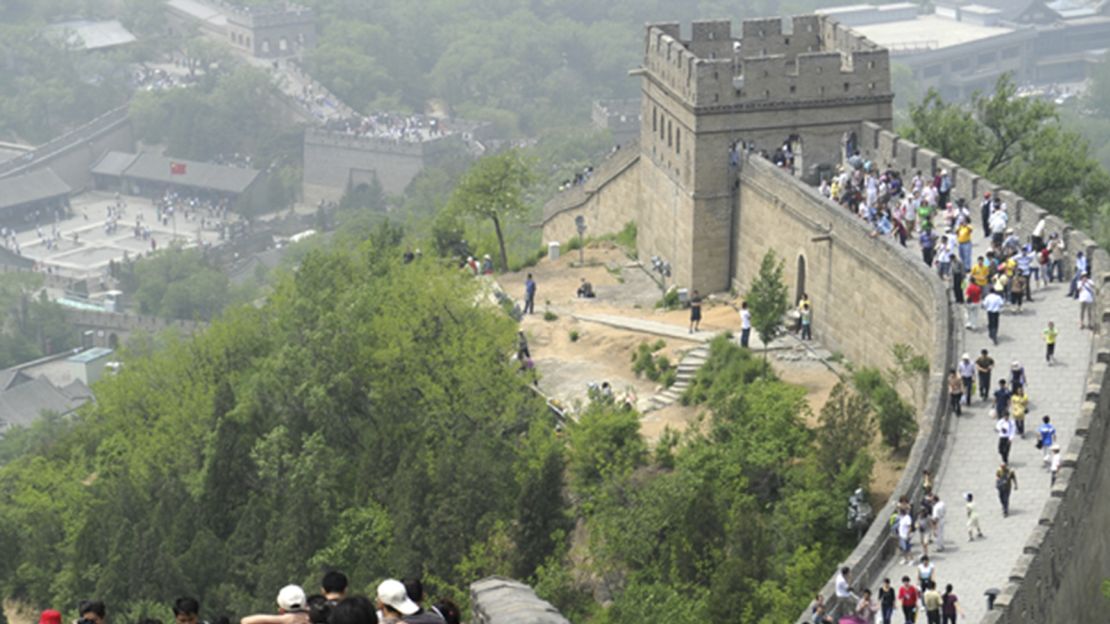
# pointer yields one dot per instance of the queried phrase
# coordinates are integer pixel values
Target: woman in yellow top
(1019, 401)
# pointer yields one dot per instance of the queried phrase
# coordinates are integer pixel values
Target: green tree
(1097, 96)
(767, 300)
(847, 427)
(1020, 143)
(496, 189)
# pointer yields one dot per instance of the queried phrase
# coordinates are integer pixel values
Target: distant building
(338, 160)
(964, 46)
(272, 31)
(89, 36)
(30, 198)
(49, 384)
(89, 365)
(151, 175)
(275, 30)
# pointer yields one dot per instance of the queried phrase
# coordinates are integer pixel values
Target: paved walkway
(971, 454)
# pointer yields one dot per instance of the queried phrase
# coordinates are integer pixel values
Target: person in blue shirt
(529, 295)
(1047, 432)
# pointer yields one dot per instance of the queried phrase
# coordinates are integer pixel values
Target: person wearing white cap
(292, 609)
(394, 602)
(1055, 462)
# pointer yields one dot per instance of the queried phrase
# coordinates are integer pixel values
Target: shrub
(670, 301)
(646, 364)
(897, 421)
(727, 368)
(668, 377)
(550, 316)
(574, 335)
(627, 238)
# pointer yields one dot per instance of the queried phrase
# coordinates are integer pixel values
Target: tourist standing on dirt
(805, 313)
(695, 311)
(529, 295)
(745, 324)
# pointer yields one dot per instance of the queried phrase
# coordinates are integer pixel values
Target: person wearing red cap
(50, 616)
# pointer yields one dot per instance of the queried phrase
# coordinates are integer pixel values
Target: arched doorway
(800, 282)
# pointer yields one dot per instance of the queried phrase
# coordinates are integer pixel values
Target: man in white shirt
(845, 600)
(992, 303)
(1005, 428)
(905, 527)
(939, 511)
(745, 324)
(966, 370)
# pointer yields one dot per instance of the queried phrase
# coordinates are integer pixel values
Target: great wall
(714, 216)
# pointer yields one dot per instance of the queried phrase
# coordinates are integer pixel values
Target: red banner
(177, 168)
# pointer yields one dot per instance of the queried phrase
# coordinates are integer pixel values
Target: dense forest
(358, 422)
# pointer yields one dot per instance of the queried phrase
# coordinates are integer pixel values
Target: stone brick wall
(608, 200)
(1065, 561)
(335, 162)
(73, 154)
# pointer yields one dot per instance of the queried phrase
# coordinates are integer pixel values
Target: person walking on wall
(973, 528)
(1054, 464)
(529, 295)
(1005, 428)
(950, 606)
(932, 602)
(940, 510)
(908, 597)
(1046, 438)
(984, 365)
(966, 369)
(1005, 481)
(1086, 296)
(695, 311)
(993, 303)
(955, 391)
(1050, 335)
(886, 602)
(973, 297)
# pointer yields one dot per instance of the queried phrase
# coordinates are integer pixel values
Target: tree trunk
(501, 244)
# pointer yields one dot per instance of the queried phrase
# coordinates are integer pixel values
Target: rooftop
(87, 35)
(199, 11)
(30, 187)
(930, 32)
(154, 168)
(89, 355)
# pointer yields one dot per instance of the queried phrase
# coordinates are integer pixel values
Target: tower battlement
(809, 57)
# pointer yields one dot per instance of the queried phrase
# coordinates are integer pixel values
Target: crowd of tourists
(397, 128)
(395, 602)
(925, 211)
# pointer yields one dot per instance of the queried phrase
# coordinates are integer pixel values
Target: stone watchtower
(809, 81)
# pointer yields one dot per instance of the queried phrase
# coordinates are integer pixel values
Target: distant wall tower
(807, 78)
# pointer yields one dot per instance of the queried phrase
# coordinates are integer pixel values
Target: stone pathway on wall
(971, 456)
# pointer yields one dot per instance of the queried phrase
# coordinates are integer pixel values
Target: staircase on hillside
(687, 368)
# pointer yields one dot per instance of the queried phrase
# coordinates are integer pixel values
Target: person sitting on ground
(586, 290)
